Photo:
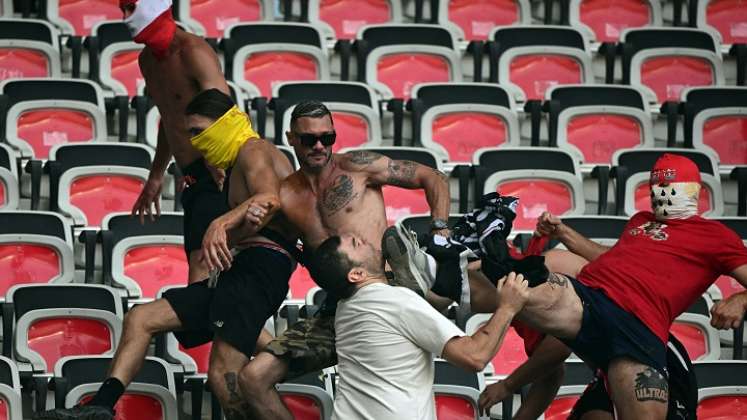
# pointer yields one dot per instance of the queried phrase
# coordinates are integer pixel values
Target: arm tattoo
(440, 174)
(401, 173)
(557, 279)
(338, 195)
(650, 385)
(363, 157)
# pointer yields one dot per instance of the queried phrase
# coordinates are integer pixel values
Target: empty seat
(300, 282)
(79, 17)
(8, 179)
(456, 391)
(604, 20)
(46, 112)
(28, 48)
(728, 285)
(341, 19)
(727, 17)
(577, 376)
(721, 389)
(113, 59)
(667, 60)
(394, 58)
(308, 397)
(511, 354)
(211, 18)
(456, 119)
(10, 390)
(594, 121)
(260, 55)
(700, 339)
(474, 20)
(532, 59)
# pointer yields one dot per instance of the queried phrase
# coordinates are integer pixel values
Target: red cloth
(532, 338)
(656, 270)
(671, 168)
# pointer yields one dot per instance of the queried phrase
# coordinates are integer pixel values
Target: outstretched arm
(729, 313)
(547, 224)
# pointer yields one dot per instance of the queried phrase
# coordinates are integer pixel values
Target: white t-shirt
(386, 337)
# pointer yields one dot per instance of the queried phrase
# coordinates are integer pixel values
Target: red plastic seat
(599, 136)
(217, 15)
(643, 198)
(54, 338)
(561, 407)
(98, 195)
(126, 70)
(729, 17)
(668, 76)
(268, 68)
(725, 407)
(3, 195)
(346, 16)
(477, 18)
(534, 74)
(400, 72)
(156, 266)
(301, 282)
(401, 202)
(537, 196)
(728, 137)
(728, 286)
(511, 354)
(134, 406)
(352, 130)
(19, 63)
(302, 407)
(85, 14)
(608, 18)
(691, 337)
(200, 354)
(25, 263)
(47, 127)
(4, 411)
(461, 133)
(451, 407)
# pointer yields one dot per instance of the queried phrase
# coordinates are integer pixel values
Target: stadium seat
(79, 17)
(715, 120)
(356, 125)
(531, 59)
(8, 179)
(726, 284)
(403, 202)
(151, 395)
(260, 55)
(28, 48)
(700, 339)
(10, 391)
(727, 17)
(300, 282)
(545, 179)
(592, 122)
(52, 321)
(113, 59)
(604, 20)
(665, 61)
(46, 112)
(721, 389)
(577, 376)
(394, 58)
(308, 397)
(341, 19)
(210, 18)
(142, 259)
(474, 20)
(35, 247)
(456, 391)
(632, 169)
(456, 119)
(6, 8)
(89, 181)
(511, 354)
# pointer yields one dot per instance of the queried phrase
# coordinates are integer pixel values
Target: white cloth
(386, 337)
(146, 11)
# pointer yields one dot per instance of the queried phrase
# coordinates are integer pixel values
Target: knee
(141, 318)
(252, 380)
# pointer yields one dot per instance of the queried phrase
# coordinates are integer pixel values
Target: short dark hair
(211, 103)
(309, 109)
(329, 268)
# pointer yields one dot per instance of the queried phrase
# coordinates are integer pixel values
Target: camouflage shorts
(307, 345)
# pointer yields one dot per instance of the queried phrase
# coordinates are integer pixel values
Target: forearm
(242, 228)
(547, 357)
(540, 395)
(162, 156)
(580, 245)
(485, 342)
(437, 194)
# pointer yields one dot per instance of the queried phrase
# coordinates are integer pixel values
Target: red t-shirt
(532, 338)
(657, 269)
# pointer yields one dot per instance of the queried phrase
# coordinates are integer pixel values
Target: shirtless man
(333, 194)
(177, 66)
(251, 286)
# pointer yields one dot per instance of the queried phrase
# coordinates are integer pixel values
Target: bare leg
(566, 262)
(597, 415)
(264, 338)
(198, 271)
(257, 381)
(483, 295)
(140, 324)
(223, 376)
(638, 391)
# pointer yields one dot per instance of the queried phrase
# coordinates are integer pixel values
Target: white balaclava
(675, 187)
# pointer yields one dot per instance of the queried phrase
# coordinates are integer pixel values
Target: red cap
(671, 168)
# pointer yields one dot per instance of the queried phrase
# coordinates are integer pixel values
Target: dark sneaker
(407, 261)
(79, 412)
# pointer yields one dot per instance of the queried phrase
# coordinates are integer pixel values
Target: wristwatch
(439, 224)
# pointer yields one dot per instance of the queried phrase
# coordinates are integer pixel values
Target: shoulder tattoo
(363, 157)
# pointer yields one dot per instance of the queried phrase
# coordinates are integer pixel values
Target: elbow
(476, 364)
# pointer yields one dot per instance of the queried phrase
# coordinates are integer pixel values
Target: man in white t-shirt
(386, 336)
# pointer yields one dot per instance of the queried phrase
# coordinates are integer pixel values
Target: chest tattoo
(338, 195)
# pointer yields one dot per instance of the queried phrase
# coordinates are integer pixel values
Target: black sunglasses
(309, 140)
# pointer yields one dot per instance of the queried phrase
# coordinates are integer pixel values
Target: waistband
(287, 245)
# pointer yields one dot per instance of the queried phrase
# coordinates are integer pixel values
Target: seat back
(475, 20)
(727, 17)
(605, 20)
(9, 195)
(211, 18)
(300, 282)
(455, 402)
(341, 19)
(10, 390)
(698, 337)
(355, 125)
(80, 17)
(28, 48)
(715, 119)
(306, 402)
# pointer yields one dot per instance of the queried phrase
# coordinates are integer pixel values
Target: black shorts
(609, 332)
(202, 202)
(235, 310)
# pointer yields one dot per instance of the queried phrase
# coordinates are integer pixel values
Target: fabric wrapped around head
(675, 187)
(151, 24)
(221, 141)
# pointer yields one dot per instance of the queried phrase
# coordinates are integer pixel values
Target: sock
(108, 394)
(431, 269)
